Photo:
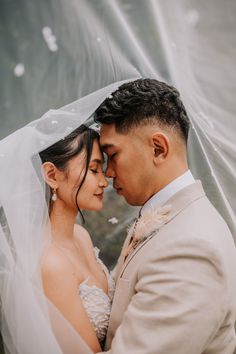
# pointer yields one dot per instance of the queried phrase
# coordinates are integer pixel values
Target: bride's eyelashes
(97, 170)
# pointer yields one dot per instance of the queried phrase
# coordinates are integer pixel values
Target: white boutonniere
(145, 225)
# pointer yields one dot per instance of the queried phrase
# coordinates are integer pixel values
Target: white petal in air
(19, 70)
(49, 38)
(113, 220)
(46, 31)
(53, 47)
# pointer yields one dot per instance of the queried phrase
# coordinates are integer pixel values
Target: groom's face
(129, 163)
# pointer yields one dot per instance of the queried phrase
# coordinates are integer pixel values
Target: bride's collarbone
(85, 265)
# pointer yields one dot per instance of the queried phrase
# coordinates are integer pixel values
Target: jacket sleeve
(179, 302)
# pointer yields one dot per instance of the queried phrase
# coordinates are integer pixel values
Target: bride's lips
(100, 195)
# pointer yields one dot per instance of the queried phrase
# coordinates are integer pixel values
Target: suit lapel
(178, 202)
(136, 250)
(121, 258)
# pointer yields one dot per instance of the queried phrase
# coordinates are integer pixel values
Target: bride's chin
(98, 208)
(94, 208)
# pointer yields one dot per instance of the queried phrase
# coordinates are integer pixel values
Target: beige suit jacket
(176, 293)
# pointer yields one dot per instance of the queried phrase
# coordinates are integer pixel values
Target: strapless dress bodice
(96, 302)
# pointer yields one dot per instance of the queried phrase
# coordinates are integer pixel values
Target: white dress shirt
(159, 199)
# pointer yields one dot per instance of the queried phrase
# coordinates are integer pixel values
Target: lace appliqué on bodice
(96, 302)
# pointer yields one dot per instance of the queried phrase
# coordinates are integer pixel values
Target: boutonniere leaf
(145, 225)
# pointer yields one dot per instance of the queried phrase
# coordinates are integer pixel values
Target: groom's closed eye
(111, 156)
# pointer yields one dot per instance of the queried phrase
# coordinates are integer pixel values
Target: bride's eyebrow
(99, 161)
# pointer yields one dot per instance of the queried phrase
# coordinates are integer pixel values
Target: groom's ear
(50, 174)
(161, 146)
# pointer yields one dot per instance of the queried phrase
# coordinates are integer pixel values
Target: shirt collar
(161, 197)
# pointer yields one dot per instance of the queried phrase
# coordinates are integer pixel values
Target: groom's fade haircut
(141, 102)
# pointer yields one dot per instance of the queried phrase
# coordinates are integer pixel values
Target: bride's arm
(62, 289)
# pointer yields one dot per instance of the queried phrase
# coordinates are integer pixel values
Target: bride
(55, 292)
(74, 278)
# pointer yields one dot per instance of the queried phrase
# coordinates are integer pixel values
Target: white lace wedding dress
(96, 302)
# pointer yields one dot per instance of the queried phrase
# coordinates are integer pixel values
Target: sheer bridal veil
(190, 44)
(29, 322)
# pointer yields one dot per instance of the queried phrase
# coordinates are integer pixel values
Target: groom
(176, 276)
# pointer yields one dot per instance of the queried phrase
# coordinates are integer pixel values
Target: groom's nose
(110, 173)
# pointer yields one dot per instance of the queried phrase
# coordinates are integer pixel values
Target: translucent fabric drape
(54, 52)
(29, 323)
(200, 46)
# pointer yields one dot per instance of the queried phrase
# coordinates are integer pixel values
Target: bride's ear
(50, 174)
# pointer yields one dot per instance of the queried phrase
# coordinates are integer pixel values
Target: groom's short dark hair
(144, 101)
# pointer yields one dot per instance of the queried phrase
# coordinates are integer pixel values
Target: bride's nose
(103, 182)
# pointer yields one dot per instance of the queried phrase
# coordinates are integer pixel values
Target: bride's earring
(54, 195)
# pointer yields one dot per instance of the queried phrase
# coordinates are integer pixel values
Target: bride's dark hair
(60, 153)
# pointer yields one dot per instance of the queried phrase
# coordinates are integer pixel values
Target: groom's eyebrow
(105, 147)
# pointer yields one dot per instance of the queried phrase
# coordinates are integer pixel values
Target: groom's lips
(118, 189)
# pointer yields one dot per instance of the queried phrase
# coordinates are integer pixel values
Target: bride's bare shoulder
(54, 263)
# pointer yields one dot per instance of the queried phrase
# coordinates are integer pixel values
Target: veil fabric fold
(189, 43)
(29, 322)
(82, 45)
(200, 50)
